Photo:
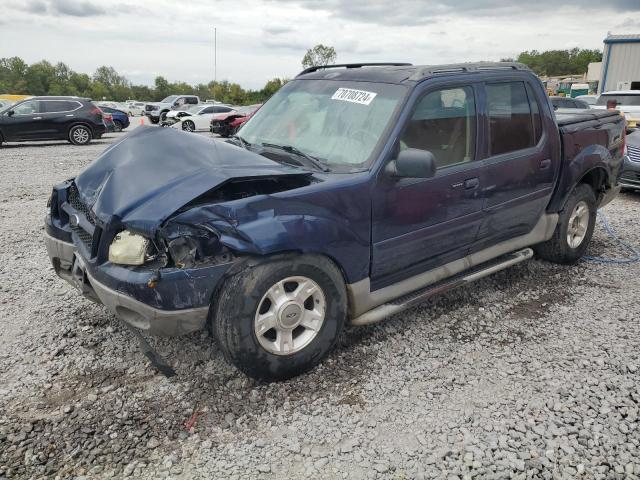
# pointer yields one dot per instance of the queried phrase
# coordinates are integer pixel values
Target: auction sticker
(355, 96)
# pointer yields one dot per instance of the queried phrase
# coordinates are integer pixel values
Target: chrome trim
(383, 311)
(362, 299)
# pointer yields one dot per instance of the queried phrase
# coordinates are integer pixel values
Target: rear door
(520, 161)
(422, 223)
(23, 123)
(56, 117)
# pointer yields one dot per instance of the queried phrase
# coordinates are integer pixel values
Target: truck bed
(568, 118)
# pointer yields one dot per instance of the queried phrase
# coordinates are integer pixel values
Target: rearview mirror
(413, 163)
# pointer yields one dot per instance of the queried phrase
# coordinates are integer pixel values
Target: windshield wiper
(314, 162)
(240, 141)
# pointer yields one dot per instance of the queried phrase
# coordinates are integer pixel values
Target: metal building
(620, 63)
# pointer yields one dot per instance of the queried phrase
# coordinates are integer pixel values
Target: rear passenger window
(510, 118)
(54, 106)
(444, 123)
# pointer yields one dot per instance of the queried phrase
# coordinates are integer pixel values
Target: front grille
(149, 108)
(634, 153)
(73, 197)
(85, 237)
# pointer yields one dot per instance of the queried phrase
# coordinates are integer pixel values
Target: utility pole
(215, 57)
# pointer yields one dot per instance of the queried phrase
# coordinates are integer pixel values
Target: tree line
(45, 78)
(559, 62)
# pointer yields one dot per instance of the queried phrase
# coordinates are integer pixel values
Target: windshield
(339, 123)
(247, 110)
(194, 108)
(169, 99)
(620, 99)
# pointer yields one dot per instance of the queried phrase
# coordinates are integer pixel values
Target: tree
(318, 56)
(560, 62)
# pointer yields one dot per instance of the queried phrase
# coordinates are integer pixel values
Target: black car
(74, 119)
(566, 102)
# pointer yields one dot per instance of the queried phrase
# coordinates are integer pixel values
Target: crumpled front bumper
(71, 267)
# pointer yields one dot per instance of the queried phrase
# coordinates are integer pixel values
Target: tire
(80, 135)
(118, 125)
(188, 126)
(573, 233)
(273, 354)
(154, 120)
(163, 116)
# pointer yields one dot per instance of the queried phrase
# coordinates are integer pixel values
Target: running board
(419, 296)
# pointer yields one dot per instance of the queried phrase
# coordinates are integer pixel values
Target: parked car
(631, 171)
(136, 109)
(199, 117)
(627, 101)
(120, 118)
(351, 195)
(157, 111)
(74, 119)
(108, 121)
(566, 102)
(228, 124)
(588, 99)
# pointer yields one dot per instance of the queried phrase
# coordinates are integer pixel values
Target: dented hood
(153, 172)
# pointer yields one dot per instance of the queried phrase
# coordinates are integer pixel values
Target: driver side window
(444, 123)
(26, 108)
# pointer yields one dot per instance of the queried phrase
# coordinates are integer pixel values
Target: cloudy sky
(259, 40)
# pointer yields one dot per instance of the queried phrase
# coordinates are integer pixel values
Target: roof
(402, 73)
(630, 38)
(60, 97)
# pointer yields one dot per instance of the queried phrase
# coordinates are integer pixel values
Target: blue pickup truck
(355, 192)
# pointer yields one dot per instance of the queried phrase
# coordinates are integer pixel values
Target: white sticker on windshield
(354, 96)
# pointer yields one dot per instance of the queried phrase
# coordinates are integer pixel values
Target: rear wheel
(80, 135)
(573, 233)
(118, 125)
(287, 319)
(188, 126)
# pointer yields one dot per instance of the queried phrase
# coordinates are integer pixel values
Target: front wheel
(80, 135)
(573, 233)
(287, 318)
(188, 126)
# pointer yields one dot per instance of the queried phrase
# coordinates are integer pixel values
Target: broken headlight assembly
(129, 248)
(188, 252)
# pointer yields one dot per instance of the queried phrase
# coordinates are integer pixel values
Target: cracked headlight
(128, 248)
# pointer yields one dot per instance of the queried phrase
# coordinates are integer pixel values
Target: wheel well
(596, 178)
(84, 124)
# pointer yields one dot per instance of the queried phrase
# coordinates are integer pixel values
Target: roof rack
(353, 65)
(466, 67)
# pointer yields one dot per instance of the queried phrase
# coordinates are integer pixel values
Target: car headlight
(128, 248)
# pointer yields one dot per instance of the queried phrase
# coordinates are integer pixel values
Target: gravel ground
(531, 373)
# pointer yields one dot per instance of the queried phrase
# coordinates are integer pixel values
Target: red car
(227, 124)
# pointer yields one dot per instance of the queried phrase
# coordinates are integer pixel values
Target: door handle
(471, 183)
(544, 164)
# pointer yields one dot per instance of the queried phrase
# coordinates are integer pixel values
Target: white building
(620, 63)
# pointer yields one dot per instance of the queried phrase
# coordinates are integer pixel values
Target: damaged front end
(151, 238)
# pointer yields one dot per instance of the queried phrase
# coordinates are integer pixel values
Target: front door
(419, 224)
(24, 123)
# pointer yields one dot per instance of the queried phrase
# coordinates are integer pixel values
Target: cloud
(76, 8)
(411, 12)
(35, 6)
(277, 29)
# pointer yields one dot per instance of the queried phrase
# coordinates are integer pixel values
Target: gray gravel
(531, 373)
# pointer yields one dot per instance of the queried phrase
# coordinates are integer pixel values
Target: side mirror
(413, 163)
(10, 113)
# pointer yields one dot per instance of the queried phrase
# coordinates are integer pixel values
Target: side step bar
(419, 296)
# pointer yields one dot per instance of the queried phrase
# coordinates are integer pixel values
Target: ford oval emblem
(74, 220)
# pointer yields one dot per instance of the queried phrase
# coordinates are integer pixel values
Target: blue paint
(166, 185)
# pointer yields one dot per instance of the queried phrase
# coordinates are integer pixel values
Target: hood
(153, 172)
